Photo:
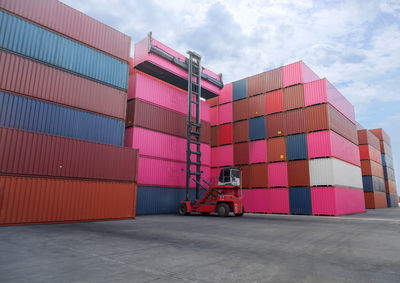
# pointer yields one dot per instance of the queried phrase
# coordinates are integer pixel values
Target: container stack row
(295, 139)
(63, 90)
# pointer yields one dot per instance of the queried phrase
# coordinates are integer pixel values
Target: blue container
(257, 128)
(373, 184)
(388, 200)
(29, 114)
(300, 200)
(34, 42)
(383, 160)
(296, 147)
(386, 161)
(160, 200)
(239, 89)
(385, 173)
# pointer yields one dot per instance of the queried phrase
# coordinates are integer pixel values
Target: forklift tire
(182, 210)
(223, 209)
(240, 214)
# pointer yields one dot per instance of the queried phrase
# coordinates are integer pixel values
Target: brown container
(371, 168)
(258, 175)
(213, 101)
(30, 153)
(276, 125)
(365, 137)
(293, 97)
(296, 121)
(375, 200)
(264, 82)
(298, 173)
(390, 187)
(381, 135)
(325, 117)
(276, 148)
(257, 106)
(241, 131)
(214, 136)
(241, 153)
(156, 118)
(40, 200)
(240, 110)
(245, 169)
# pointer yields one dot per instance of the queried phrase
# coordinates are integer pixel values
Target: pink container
(155, 144)
(214, 116)
(160, 93)
(278, 200)
(143, 57)
(297, 73)
(258, 151)
(226, 94)
(330, 144)
(336, 201)
(322, 91)
(225, 113)
(277, 174)
(221, 156)
(255, 200)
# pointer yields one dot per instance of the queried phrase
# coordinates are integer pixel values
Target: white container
(334, 172)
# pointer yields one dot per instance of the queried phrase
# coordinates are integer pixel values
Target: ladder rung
(196, 163)
(195, 124)
(194, 102)
(195, 152)
(195, 133)
(195, 173)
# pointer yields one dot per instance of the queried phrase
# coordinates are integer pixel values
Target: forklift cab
(229, 177)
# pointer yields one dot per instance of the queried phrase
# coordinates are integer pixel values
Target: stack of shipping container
(295, 139)
(63, 90)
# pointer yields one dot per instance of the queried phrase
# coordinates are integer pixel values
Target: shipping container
(214, 136)
(373, 184)
(241, 153)
(257, 129)
(245, 169)
(390, 187)
(278, 201)
(325, 117)
(225, 134)
(257, 106)
(69, 22)
(336, 201)
(300, 200)
(214, 112)
(298, 173)
(388, 174)
(277, 175)
(34, 154)
(274, 102)
(255, 200)
(226, 94)
(375, 200)
(276, 125)
(381, 135)
(386, 161)
(293, 97)
(371, 168)
(40, 200)
(222, 156)
(385, 148)
(296, 147)
(276, 149)
(392, 200)
(258, 175)
(239, 89)
(29, 114)
(297, 73)
(295, 121)
(330, 144)
(241, 110)
(366, 137)
(322, 91)
(241, 131)
(334, 172)
(258, 151)
(25, 39)
(264, 82)
(370, 153)
(211, 101)
(35, 80)
(225, 113)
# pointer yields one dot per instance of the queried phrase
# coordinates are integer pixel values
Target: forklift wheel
(240, 214)
(223, 209)
(182, 210)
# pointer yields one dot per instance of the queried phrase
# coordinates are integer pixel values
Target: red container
(293, 97)
(29, 78)
(241, 131)
(297, 73)
(276, 149)
(258, 175)
(240, 110)
(225, 134)
(369, 153)
(274, 102)
(295, 121)
(257, 106)
(39, 200)
(29, 153)
(276, 125)
(69, 22)
(298, 173)
(241, 153)
(366, 137)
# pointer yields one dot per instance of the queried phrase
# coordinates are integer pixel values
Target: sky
(354, 44)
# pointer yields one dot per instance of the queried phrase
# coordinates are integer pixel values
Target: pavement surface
(170, 248)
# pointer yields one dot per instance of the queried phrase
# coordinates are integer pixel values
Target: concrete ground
(169, 248)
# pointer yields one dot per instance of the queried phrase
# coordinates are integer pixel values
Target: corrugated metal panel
(298, 173)
(72, 23)
(211, 101)
(240, 110)
(222, 156)
(274, 102)
(257, 129)
(39, 200)
(389, 174)
(387, 161)
(334, 172)
(245, 175)
(366, 137)
(390, 187)
(29, 153)
(385, 148)
(381, 135)
(295, 121)
(278, 201)
(257, 106)
(373, 184)
(296, 147)
(276, 125)
(225, 113)
(276, 148)
(371, 168)
(23, 76)
(25, 39)
(225, 134)
(394, 202)
(368, 152)
(300, 200)
(35, 115)
(297, 73)
(293, 97)
(239, 89)
(214, 112)
(241, 131)
(375, 200)
(256, 84)
(255, 200)
(258, 175)
(214, 136)
(226, 94)
(241, 153)
(277, 175)
(258, 151)
(273, 79)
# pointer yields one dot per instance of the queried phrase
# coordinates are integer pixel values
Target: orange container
(371, 168)
(368, 152)
(40, 200)
(293, 97)
(241, 131)
(258, 176)
(390, 187)
(240, 110)
(298, 173)
(257, 106)
(276, 148)
(375, 200)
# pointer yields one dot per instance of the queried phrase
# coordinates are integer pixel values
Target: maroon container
(293, 97)
(214, 136)
(295, 121)
(241, 153)
(69, 22)
(241, 131)
(264, 82)
(365, 137)
(257, 106)
(34, 154)
(241, 110)
(298, 173)
(276, 148)
(245, 169)
(276, 125)
(258, 175)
